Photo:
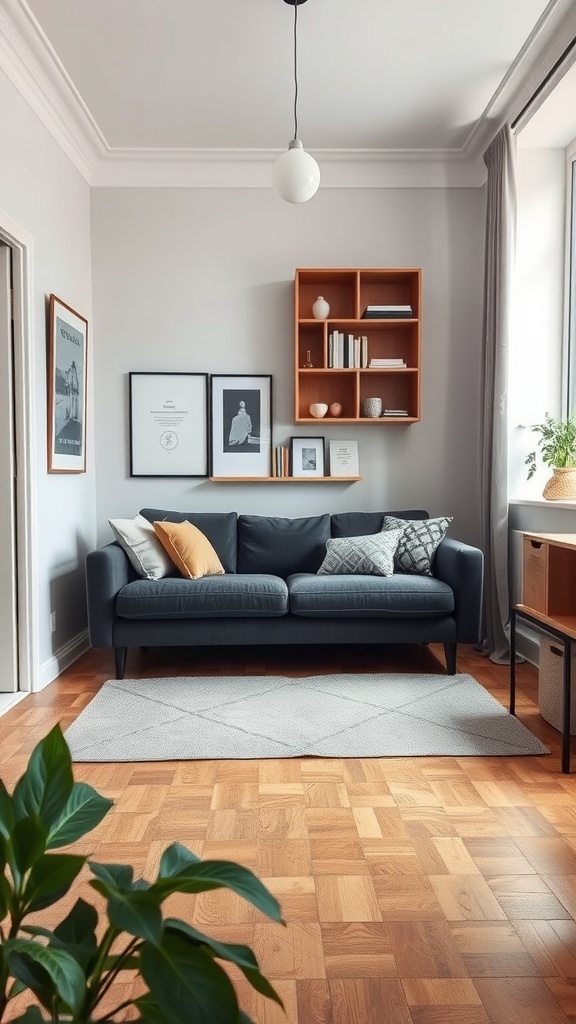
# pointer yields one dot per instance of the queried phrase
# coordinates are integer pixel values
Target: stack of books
(280, 461)
(386, 364)
(395, 412)
(345, 351)
(384, 312)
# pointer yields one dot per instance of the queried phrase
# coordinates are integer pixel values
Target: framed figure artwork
(306, 456)
(67, 383)
(241, 425)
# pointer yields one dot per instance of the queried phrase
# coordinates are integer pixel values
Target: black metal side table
(566, 638)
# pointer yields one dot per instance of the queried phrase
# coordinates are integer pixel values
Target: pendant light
(296, 174)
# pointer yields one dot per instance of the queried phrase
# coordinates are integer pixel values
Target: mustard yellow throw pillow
(189, 549)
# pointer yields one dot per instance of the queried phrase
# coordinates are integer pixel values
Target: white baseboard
(62, 659)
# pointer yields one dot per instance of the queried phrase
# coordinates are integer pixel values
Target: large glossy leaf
(6, 812)
(50, 878)
(150, 1012)
(65, 974)
(84, 809)
(32, 1015)
(5, 896)
(214, 874)
(47, 782)
(187, 984)
(242, 956)
(176, 858)
(76, 933)
(137, 913)
(28, 842)
(114, 877)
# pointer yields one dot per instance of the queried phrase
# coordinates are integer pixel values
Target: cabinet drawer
(535, 575)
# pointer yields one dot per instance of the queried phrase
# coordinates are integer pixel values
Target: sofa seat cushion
(392, 597)
(256, 596)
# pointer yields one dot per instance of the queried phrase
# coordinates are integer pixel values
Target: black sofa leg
(450, 654)
(120, 661)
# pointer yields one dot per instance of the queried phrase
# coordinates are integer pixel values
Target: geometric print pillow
(372, 555)
(418, 542)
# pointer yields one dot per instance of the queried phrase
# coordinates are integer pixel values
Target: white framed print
(168, 424)
(306, 456)
(240, 425)
(343, 458)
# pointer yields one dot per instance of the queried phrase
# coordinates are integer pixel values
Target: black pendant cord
(295, 70)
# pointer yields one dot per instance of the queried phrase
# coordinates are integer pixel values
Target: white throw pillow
(372, 555)
(138, 539)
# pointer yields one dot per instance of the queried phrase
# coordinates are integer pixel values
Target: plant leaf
(5, 898)
(137, 913)
(175, 859)
(215, 874)
(84, 809)
(28, 842)
(242, 956)
(189, 987)
(76, 933)
(65, 974)
(115, 877)
(47, 782)
(50, 878)
(31, 1015)
(6, 812)
(150, 1012)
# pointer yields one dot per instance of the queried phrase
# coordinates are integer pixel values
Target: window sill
(542, 503)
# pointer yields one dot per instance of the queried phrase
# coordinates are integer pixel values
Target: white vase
(320, 308)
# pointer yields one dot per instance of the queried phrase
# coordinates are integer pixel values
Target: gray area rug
(370, 715)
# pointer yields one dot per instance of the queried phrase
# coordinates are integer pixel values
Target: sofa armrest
(107, 571)
(461, 566)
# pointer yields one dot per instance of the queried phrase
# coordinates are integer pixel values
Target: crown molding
(32, 65)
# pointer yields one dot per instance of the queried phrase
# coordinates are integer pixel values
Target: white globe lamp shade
(296, 174)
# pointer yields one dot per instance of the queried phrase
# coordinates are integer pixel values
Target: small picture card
(344, 458)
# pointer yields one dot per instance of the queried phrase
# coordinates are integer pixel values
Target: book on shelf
(388, 310)
(376, 363)
(280, 461)
(345, 351)
(395, 412)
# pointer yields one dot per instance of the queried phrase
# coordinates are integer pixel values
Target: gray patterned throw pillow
(418, 542)
(367, 556)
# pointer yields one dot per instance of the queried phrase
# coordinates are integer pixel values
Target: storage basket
(550, 682)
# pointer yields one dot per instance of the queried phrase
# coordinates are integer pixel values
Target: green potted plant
(557, 443)
(71, 969)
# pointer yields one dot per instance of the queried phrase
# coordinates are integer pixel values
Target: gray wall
(203, 280)
(42, 192)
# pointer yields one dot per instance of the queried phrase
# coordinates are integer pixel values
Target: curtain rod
(566, 53)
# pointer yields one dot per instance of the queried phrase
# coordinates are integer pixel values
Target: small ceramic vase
(318, 410)
(373, 408)
(335, 409)
(320, 308)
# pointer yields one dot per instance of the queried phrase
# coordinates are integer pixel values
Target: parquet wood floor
(431, 890)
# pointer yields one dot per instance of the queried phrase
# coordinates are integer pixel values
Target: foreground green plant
(72, 968)
(557, 443)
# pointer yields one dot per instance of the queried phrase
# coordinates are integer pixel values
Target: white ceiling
(373, 74)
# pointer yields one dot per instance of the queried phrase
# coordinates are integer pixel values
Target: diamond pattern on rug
(237, 717)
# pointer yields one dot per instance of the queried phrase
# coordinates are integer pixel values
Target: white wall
(45, 195)
(203, 280)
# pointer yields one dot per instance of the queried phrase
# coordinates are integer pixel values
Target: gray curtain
(498, 269)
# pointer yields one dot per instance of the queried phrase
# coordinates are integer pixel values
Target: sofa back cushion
(359, 524)
(219, 527)
(269, 544)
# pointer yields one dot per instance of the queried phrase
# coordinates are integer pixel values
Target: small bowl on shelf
(318, 410)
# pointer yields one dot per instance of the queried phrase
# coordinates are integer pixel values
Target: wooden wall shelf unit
(285, 479)
(549, 603)
(349, 291)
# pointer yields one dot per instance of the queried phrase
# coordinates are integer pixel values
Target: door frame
(21, 243)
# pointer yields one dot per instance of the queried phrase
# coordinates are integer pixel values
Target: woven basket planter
(561, 485)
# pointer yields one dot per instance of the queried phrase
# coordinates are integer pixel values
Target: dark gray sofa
(271, 593)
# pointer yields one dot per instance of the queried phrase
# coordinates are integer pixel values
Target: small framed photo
(306, 456)
(344, 458)
(168, 424)
(241, 425)
(67, 370)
